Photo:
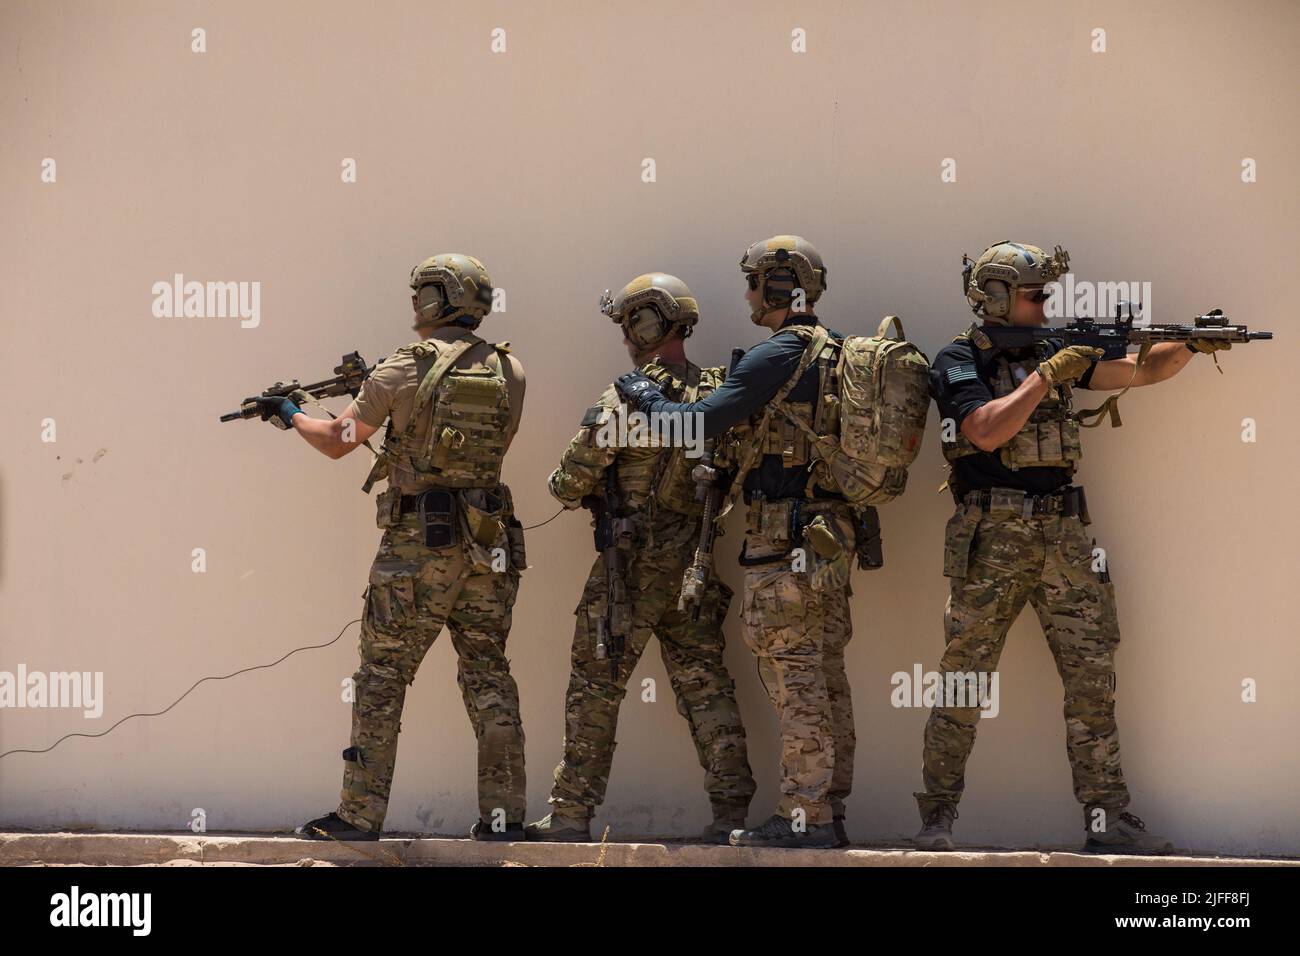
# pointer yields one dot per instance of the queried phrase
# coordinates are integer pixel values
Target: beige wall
(225, 166)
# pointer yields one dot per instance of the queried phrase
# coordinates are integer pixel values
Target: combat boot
(780, 832)
(719, 831)
(1125, 833)
(513, 833)
(333, 827)
(936, 833)
(554, 828)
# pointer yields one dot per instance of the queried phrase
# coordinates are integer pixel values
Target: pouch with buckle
(958, 537)
(483, 519)
(438, 518)
(828, 553)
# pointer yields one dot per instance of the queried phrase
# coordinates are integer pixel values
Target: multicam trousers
(997, 561)
(413, 591)
(692, 655)
(797, 623)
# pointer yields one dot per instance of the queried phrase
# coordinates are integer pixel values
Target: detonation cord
(244, 670)
(546, 522)
(222, 677)
(214, 677)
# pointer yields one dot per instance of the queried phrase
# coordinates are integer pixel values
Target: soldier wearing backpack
(810, 458)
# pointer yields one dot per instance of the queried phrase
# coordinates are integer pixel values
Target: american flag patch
(960, 373)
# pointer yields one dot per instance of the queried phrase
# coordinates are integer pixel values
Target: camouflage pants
(413, 591)
(1048, 562)
(692, 655)
(799, 632)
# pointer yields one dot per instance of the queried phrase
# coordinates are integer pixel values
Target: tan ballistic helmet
(650, 307)
(991, 281)
(788, 254)
(462, 288)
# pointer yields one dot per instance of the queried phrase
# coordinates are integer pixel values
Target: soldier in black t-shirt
(1011, 438)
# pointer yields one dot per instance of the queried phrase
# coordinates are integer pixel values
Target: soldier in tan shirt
(452, 550)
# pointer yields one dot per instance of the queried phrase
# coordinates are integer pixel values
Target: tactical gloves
(1208, 346)
(278, 410)
(1068, 365)
(637, 389)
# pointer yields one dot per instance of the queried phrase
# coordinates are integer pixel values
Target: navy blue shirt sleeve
(752, 384)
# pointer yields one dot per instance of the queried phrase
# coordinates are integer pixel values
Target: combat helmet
(451, 287)
(651, 307)
(990, 282)
(778, 266)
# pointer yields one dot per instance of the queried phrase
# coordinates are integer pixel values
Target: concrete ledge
(145, 849)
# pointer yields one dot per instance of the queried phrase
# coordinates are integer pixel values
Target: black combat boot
(513, 833)
(1124, 833)
(841, 834)
(333, 827)
(780, 832)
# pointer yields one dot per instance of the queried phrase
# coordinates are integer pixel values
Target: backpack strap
(812, 350)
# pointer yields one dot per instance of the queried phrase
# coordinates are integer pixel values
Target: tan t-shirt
(390, 390)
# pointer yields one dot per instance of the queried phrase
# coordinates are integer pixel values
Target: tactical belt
(801, 512)
(1069, 502)
(435, 497)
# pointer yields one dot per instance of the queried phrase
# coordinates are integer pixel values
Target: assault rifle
(1115, 338)
(615, 535)
(348, 376)
(709, 490)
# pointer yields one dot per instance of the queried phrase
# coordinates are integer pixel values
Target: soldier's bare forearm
(328, 437)
(1164, 361)
(994, 423)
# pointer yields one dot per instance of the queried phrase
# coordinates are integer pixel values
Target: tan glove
(1208, 345)
(1069, 364)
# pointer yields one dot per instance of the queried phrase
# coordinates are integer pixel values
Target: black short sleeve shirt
(961, 380)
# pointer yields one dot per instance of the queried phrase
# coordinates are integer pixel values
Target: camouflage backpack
(882, 401)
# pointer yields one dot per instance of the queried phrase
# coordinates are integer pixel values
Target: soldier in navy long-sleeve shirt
(799, 539)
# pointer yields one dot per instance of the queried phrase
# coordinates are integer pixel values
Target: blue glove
(278, 410)
(637, 390)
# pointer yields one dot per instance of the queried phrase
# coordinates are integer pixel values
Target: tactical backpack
(881, 404)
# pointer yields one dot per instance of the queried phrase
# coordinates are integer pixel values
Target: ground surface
(188, 849)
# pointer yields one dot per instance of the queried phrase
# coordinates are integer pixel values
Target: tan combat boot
(936, 832)
(559, 828)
